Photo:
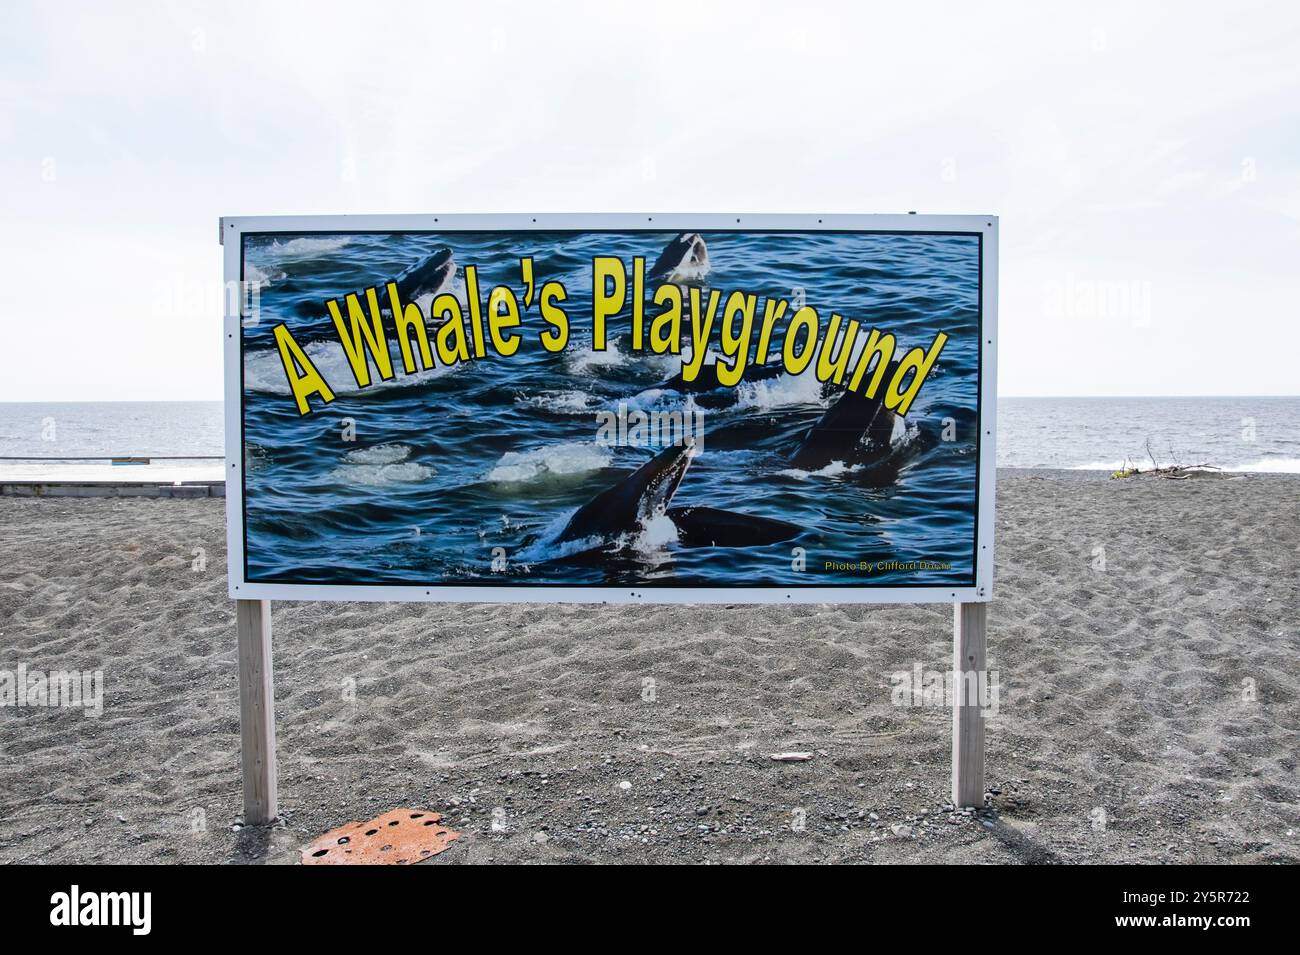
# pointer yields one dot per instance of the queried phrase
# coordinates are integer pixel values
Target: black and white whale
(685, 259)
(627, 506)
(855, 431)
(430, 276)
(633, 501)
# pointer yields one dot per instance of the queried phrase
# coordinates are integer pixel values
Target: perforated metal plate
(398, 837)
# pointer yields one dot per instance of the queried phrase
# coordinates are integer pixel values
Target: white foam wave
(561, 402)
(379, 454)
(306, 247)
(1263, 466)
(555, 461)
(585, 360)
(902, 434)
(783, 392)
(261, 278)
(834, 469)
(665, 365)
(1268, 466)
(655, 533)
(546, 547)
(381, 475)
(1097, 466)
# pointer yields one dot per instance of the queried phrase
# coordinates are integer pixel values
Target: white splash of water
(561, 402)
(305, 247)
(783, 392)
(381, 465)
(834, 469)
(656, 533)
(261, 278)
(378, 454)
(557, 461)
(584, 360)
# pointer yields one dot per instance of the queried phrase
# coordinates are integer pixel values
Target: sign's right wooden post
(967, 718)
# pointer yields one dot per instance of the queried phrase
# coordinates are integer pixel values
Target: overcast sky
(1144, 158)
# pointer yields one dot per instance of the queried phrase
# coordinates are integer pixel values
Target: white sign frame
(234, 228)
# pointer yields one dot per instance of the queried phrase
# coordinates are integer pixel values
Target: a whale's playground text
(676, 317)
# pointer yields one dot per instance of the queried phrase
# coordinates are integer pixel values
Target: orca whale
(429, 276)
(856, 430)
(632, 501)
(684, 259)
(645, 494)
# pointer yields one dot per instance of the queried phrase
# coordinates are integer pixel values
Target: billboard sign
(685, 408)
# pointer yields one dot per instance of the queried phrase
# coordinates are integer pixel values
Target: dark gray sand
(1126, 729)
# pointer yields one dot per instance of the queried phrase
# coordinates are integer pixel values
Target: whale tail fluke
(699, 526)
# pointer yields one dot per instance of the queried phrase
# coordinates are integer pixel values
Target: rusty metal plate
(398, 837)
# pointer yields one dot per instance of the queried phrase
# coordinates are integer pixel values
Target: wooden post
(967, 722)
(256, 711)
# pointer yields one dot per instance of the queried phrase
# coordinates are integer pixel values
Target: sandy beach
(1149, 709)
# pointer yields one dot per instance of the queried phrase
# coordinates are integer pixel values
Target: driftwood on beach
(1173, 472)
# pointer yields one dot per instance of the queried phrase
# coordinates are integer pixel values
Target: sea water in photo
(470, 474)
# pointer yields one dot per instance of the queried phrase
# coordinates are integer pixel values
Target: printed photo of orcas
(792, 460)
(621, 510)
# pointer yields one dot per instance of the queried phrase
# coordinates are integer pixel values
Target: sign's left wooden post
(256, 711)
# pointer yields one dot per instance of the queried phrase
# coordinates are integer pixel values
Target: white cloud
(1156, 142)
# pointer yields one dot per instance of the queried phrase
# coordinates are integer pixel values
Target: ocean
(1236, 434)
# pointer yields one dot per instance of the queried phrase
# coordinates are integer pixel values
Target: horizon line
(91, 401)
